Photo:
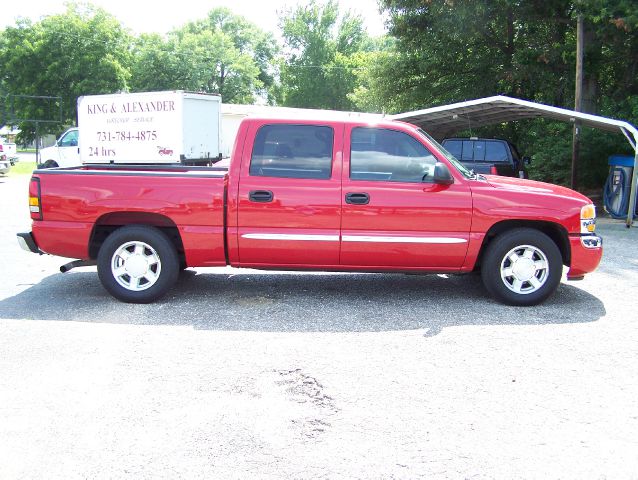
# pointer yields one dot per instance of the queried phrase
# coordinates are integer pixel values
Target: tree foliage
(453, 50)
(83, 51)
(322, 55)
(222, 54)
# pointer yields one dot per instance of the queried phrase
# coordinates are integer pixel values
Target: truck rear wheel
(137, 264)
(522, 267)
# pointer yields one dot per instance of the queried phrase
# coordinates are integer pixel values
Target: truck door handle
(357, 198)
(261, 196)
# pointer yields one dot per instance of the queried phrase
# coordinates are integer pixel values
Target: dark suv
(488, 156)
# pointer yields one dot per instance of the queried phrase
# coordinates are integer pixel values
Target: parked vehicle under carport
(489, 156)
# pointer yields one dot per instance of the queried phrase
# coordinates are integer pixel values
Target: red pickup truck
(305, 194)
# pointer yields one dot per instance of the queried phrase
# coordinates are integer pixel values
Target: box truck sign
(136, 128)
(141, 128)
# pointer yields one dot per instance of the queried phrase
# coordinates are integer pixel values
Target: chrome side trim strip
(291, 237)
(374, 239)
(353, 238)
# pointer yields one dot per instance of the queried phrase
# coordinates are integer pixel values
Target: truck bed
(78, 206)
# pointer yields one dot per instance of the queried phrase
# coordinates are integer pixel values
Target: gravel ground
(243, 374)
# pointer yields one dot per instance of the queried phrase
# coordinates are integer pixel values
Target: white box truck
(172, 127)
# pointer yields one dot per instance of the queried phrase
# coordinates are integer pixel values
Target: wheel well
(110, 222)
(554, 231)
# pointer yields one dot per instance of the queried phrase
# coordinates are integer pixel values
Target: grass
(22, 168)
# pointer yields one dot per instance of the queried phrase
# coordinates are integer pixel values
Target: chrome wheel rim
(524, 269)
(136, 266)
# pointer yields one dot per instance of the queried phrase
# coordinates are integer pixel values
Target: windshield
(464, 171)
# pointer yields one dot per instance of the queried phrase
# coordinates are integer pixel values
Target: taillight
(35, 204)
(493, 170)
(1, 148)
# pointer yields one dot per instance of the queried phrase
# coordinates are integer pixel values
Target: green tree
(454, 50)
(448, 51)
(222, 54)
(321, 56)
(156, 65)
(83, 51)
(612, 56)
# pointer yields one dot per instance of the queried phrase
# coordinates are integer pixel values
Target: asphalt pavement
(244, 374)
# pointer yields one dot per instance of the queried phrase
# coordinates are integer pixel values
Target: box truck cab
(64, 153)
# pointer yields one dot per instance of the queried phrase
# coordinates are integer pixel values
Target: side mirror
(527, 160)
(442, 175)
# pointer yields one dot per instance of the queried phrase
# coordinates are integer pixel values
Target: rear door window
(292, 151)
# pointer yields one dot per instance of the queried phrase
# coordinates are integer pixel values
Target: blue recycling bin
(618, 186)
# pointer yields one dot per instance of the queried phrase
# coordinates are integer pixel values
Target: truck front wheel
(521, 267)
(137, 264)
(49, 164)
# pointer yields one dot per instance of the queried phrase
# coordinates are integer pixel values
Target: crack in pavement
(305, 389)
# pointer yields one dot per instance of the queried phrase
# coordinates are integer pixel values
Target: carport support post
(632, 196)
(575, 155)
(578, 96)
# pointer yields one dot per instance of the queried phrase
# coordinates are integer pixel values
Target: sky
(156, 16)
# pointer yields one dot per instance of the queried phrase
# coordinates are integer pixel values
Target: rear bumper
(63, 239)
(27, 242)
(586, 253)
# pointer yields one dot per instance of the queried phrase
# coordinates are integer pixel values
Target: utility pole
(578, 97)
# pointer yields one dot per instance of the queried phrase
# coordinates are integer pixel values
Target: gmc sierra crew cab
(338, 194)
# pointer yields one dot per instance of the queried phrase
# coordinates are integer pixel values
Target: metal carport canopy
(445, 120)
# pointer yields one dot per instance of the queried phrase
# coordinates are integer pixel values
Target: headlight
(588, 219)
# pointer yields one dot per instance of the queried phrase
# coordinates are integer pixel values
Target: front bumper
(27, 242)
(586, 253)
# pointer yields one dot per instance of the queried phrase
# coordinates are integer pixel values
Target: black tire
(49, 164)
(521, 267)
(137, 264)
